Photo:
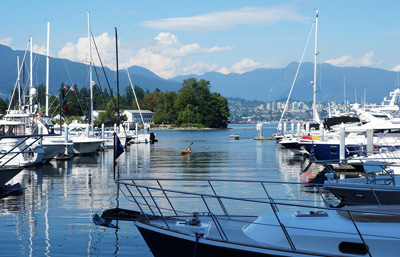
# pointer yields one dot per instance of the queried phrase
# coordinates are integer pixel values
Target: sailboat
(290, 141)
(85, 143)
(119, 129)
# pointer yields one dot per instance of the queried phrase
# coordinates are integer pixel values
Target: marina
(54, 214)
(181, 166)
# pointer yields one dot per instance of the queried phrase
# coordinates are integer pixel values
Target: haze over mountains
(260, 84)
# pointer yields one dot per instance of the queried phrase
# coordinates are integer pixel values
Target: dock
(264, 138)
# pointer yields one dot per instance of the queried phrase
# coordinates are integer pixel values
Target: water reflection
(54, 215)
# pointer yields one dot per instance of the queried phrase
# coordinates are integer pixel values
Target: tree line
(193, 105)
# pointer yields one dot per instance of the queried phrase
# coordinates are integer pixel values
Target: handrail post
(165, 194)
(284, 229)
(144, 198)
(215, 219)
(359, 233)
(269, 197)
(219, 200)
(137, 203)
(158, 208)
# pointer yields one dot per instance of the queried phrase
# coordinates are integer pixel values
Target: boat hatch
(353, 248)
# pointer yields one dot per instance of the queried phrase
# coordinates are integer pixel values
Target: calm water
(54, 215)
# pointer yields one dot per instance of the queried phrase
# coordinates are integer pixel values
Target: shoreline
(168, 127)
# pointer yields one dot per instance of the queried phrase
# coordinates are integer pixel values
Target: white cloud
(79, 52)
(39, 49)
(224, 70)
(245, 65)
(6, 41)
(227, 19)
(396, 68)
(348, 61)
(167, 57)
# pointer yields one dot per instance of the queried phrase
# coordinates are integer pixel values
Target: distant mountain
(274, 84)
(260, 84)
(70, 73)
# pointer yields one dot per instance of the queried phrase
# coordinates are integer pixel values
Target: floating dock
(264, 138)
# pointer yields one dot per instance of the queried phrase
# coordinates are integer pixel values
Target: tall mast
(19, 84)
(344, 94)
(90, 71)
(47, 68)
(315, 113)
(116, 50)
(31, 78)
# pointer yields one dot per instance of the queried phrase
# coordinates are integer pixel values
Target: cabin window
(9, 130)
(353, 248)
(19, 130)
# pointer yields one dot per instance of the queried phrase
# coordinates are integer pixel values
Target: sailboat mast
(31, 77)
(90, 71)
(344, 94)
(18, 84)
(116, 51)
(47, 68)
(315, 113)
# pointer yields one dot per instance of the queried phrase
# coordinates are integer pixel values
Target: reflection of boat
(234, 137)
(198, 221)
(7, 174)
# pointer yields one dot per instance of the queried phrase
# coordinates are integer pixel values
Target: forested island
(194, 104)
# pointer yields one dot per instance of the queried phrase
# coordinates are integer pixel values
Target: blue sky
(174, 38)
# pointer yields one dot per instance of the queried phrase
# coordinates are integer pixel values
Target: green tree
(3, 106)
(109, 115)
(187, 115)
(162, 104)
(196, 104)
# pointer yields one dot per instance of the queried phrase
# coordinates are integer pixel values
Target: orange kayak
(184, 152)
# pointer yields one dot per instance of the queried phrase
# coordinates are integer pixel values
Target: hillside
(260, 84)
(68, 72)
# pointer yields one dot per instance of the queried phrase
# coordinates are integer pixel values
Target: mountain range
(264, 84)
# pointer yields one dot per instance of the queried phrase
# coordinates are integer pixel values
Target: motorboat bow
(189, 217)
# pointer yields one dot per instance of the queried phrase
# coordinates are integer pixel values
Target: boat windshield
(12, 130)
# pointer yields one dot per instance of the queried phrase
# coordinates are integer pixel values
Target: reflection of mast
(46, 218)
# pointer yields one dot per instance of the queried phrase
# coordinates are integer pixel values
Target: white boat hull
(85, 145)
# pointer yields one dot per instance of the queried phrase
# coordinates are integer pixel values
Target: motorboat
(16, 148)
(234, 137)
(52, 143)
(378, 183)
(188, 217)
(83, 142)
